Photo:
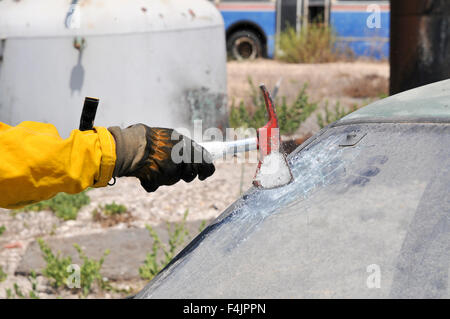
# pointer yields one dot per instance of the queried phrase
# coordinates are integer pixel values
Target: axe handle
(88, 113)
(219, 149)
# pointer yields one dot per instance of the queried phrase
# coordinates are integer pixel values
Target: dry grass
(109, 221)
(326, 81)
(371, 85)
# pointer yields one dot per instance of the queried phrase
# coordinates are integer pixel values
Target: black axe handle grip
(88, 113)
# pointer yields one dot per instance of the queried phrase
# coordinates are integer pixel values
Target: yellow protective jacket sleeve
(36, 163)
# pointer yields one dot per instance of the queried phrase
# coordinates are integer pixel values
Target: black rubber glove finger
(189, 172)
(149, 186)
(205, 170)
(202, 161)
(148, 179)
(169, 173)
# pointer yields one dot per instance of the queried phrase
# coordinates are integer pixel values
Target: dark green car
(367, 216)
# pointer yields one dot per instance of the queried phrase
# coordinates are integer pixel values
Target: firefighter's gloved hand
(159, 156)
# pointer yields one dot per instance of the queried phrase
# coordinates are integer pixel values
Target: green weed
(56, 268)
(9, 294)
(3, 275)
(2, 230)
(108, 210)
(333, 115)
(202, 226)
(90, 271)
(152, 264)
(33, 293)
(254, 116)
(111, 214)
(65, 206)
(18, 293)
(114, 209)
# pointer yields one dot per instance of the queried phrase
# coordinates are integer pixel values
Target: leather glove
(159, 156)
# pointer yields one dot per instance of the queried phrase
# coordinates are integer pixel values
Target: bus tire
(244, 44)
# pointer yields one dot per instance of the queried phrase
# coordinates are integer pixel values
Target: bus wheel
(243, 45)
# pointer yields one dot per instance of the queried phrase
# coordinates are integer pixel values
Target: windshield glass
(369, 220)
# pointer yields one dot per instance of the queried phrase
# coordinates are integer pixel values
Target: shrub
(152, 265)
(289, 117)
(90, 271)
(2, 230)
(332, 116)
(314, 44)
(65, 206)
(56, 268)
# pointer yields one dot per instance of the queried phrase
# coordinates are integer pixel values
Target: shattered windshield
(370, 220)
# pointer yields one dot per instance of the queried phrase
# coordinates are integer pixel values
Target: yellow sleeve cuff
(108, 160)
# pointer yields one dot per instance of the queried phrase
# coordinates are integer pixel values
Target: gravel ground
(204, 200)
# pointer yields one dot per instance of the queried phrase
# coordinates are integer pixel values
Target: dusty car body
(367, 215)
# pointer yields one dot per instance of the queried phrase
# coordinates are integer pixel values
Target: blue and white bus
(362, 26)
(252, 25)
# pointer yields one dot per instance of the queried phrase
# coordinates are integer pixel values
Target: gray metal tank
(162, 63)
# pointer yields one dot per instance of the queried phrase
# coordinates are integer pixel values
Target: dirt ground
(358, 82)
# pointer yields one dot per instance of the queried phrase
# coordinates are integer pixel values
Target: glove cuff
(131, 144)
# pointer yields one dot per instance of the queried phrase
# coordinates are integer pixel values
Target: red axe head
(269, 143)
(269, 134)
